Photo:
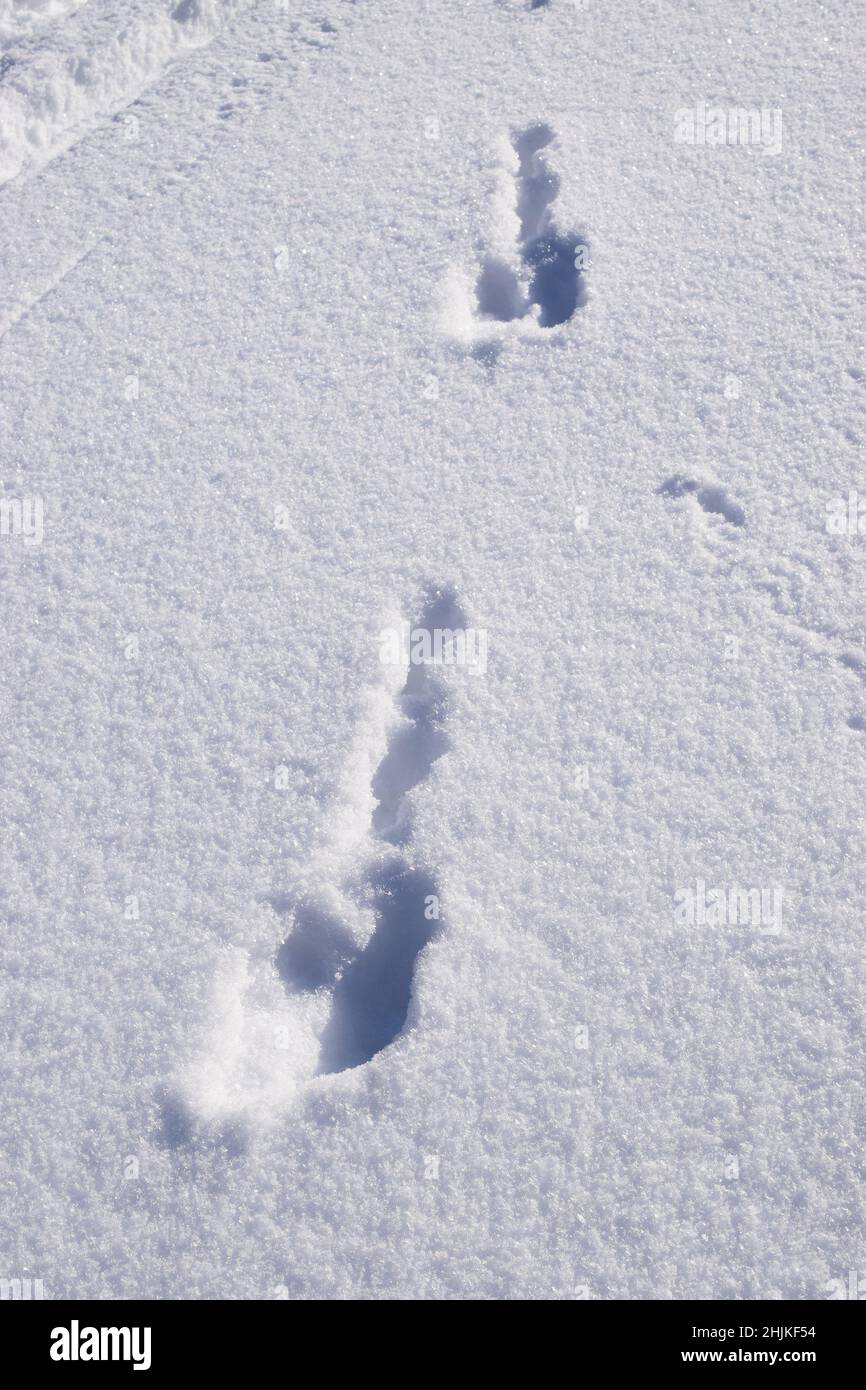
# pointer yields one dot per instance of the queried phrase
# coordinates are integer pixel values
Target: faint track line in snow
(783, 589)
(17, 313)
(821, 640)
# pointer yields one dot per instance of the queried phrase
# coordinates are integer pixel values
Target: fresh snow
(333, 973)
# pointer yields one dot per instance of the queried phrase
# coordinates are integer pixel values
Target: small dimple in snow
(187, 10)
(711, 498)
(853, 662)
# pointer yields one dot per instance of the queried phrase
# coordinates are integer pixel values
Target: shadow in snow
(371, 998)
(421, 739)
(316, 951)
(711, 498)
(499, 293)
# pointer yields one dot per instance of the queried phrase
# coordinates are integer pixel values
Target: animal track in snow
(533, 276)
(784, 585)
(349, 959)
(319, 33)
(786, 592)
(370, 986)
(714, 500)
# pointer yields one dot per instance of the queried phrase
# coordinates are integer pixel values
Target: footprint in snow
(349, 960)
(535, 277)
(370, 987)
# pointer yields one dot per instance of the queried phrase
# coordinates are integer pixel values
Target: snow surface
(281, 364)
(91, 67)
(23, 17)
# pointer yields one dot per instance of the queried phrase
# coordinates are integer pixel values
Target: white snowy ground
(244, 373)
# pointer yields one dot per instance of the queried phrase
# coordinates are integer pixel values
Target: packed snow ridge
(68, 77)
